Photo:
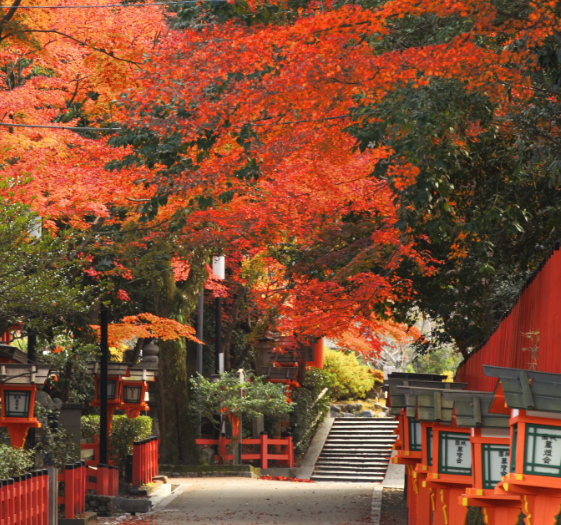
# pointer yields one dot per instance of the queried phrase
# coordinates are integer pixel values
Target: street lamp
(219, 269)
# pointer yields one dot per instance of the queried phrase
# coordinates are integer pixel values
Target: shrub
(309, 412)
(15, 461)
(259, 398)
(351, 379)
(124, 432)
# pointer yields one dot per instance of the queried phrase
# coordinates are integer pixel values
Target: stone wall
(102, 505)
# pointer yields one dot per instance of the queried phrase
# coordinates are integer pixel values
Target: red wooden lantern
(18, 384)
(445, 462)
(534, 474)
(413, 436)
(115, 374)
(134, 391)
(490, 440)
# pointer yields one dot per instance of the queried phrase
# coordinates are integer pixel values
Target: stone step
(360, 418)
(364, 428)
(348, 471)
(359, 422)
(357, 444)
(351, 478)
(351, 461)
(370, 438)
(373, 433)
(381, 456)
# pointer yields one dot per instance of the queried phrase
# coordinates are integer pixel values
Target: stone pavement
(246, 501)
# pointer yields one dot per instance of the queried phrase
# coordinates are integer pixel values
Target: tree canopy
(358, 164)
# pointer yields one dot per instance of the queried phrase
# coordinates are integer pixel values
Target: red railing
(264, 455)
(74, 499)
(92, 446)
(106, 481)
(144, 461)
(24, 499)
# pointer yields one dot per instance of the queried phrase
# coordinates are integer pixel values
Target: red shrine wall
(538, 309)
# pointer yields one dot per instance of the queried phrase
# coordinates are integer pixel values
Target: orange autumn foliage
(294, 87)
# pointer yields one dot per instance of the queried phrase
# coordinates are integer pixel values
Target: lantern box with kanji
(115, 374)
(445, 468)
(18, 385)
(490, 442)
(534, 401)
(135, 391)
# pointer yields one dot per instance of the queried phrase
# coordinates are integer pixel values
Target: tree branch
(108, 53)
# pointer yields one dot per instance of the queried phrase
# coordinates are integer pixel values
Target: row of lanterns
(499, 451)
(127, 389)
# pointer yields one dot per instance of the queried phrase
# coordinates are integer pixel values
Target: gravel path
(245, 501)
(394, 508)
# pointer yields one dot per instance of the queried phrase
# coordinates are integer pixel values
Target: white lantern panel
(543, 450)
(496, 461)
(455, 454)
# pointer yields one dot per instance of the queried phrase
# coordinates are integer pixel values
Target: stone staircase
(357, 449)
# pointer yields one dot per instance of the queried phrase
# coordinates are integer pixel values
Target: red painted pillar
(25, 500)
(10, 502)
(3, 510)
(16, 501)
(102, 481)
(318, 354)
(46, 497)
(32, 519)
(264, 450)
(136, 464)
(290, 451)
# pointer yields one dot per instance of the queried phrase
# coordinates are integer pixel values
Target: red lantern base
(18, 429)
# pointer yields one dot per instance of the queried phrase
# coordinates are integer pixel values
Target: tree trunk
(176, 429)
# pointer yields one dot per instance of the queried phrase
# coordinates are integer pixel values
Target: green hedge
(124, 432)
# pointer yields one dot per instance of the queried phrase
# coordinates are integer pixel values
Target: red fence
(538, 309)
(24, 499)
(103, 479)
(80, 479)
(144, 461)
(74, 499)
(263, 455)
(92, 446)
